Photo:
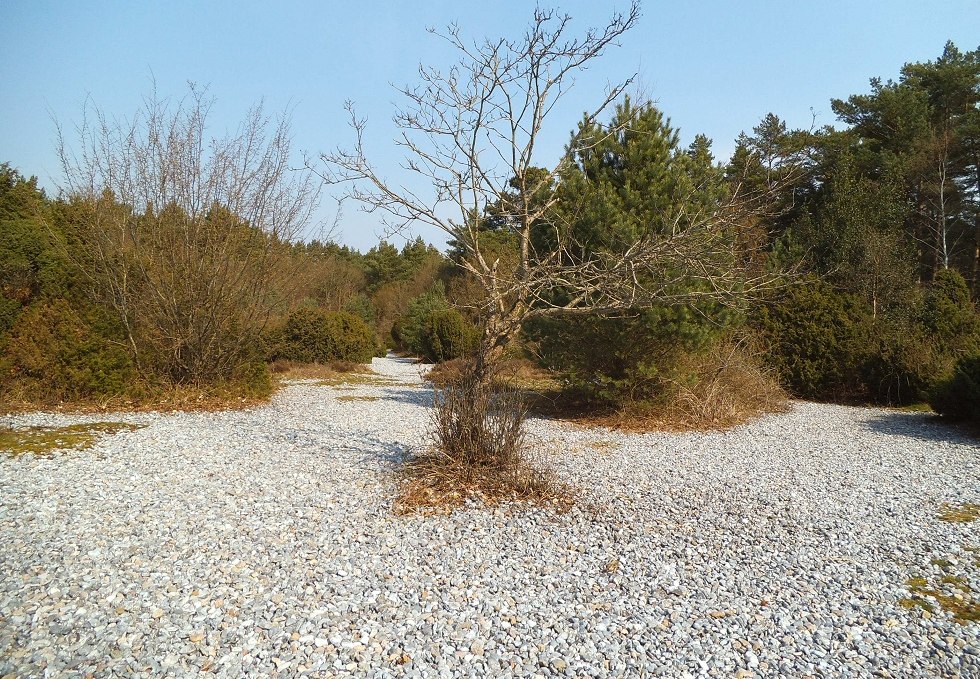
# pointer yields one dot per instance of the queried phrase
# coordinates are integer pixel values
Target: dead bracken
(45, 441)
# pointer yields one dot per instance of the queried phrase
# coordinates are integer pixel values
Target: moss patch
(951, 593)
(957, 582)
(44, 441)
(358, 398)
(916, 602)
(962, 513)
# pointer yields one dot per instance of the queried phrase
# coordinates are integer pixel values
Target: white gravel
(262, 543)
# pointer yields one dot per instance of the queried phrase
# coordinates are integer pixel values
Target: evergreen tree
(631, 180)
(854, 237)
(924, 130)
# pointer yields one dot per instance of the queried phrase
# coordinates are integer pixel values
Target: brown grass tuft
(446, 373)
(186, 397)
(517, 373)
(731, 387)
(479, 451)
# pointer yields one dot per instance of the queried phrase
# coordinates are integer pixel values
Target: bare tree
(473, 134)
(184, 237)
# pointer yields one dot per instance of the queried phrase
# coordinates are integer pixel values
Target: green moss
(44, 441)
(957, 582)
(942, 563)
(358, 398)
(962, 513)
(916, 602)
(960, 603)
(964, 608)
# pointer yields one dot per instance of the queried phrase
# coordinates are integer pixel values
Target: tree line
(843, 260)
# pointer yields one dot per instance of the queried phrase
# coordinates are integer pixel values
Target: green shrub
(625, 367)
(408, 330)
(958, 398)
(9, 311)
(815, 340)
(253, 379)
(950, 316)
(900, 362)
(55, 352)
(617, 361)
(311, 335)
(447, 335)
(361, 306)
(828, 345)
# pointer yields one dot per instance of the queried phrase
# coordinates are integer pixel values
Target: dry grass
(429, 485)
(967, 512)
(333, 374)
(728, 387)
(731, 388)
(516, 373)
(446, 373)
(725, 388)
(189, 398)
(194, 398)
(479, 451)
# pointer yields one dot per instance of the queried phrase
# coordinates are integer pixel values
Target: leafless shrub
(479, 449)
(183, 237)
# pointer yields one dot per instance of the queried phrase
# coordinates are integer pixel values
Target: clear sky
(714, 66)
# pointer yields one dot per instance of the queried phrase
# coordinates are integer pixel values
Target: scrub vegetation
(634, 281)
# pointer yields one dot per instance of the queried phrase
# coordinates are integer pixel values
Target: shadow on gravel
(415, 397)
(371, 450)
(404, 360)
(920, 426)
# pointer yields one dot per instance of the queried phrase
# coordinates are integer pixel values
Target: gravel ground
(262, 543)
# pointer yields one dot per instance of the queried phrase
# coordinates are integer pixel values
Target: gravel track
(262, 543)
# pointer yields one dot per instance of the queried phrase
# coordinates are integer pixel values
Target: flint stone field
(263, 543)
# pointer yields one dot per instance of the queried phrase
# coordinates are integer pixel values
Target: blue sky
(715, 67)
